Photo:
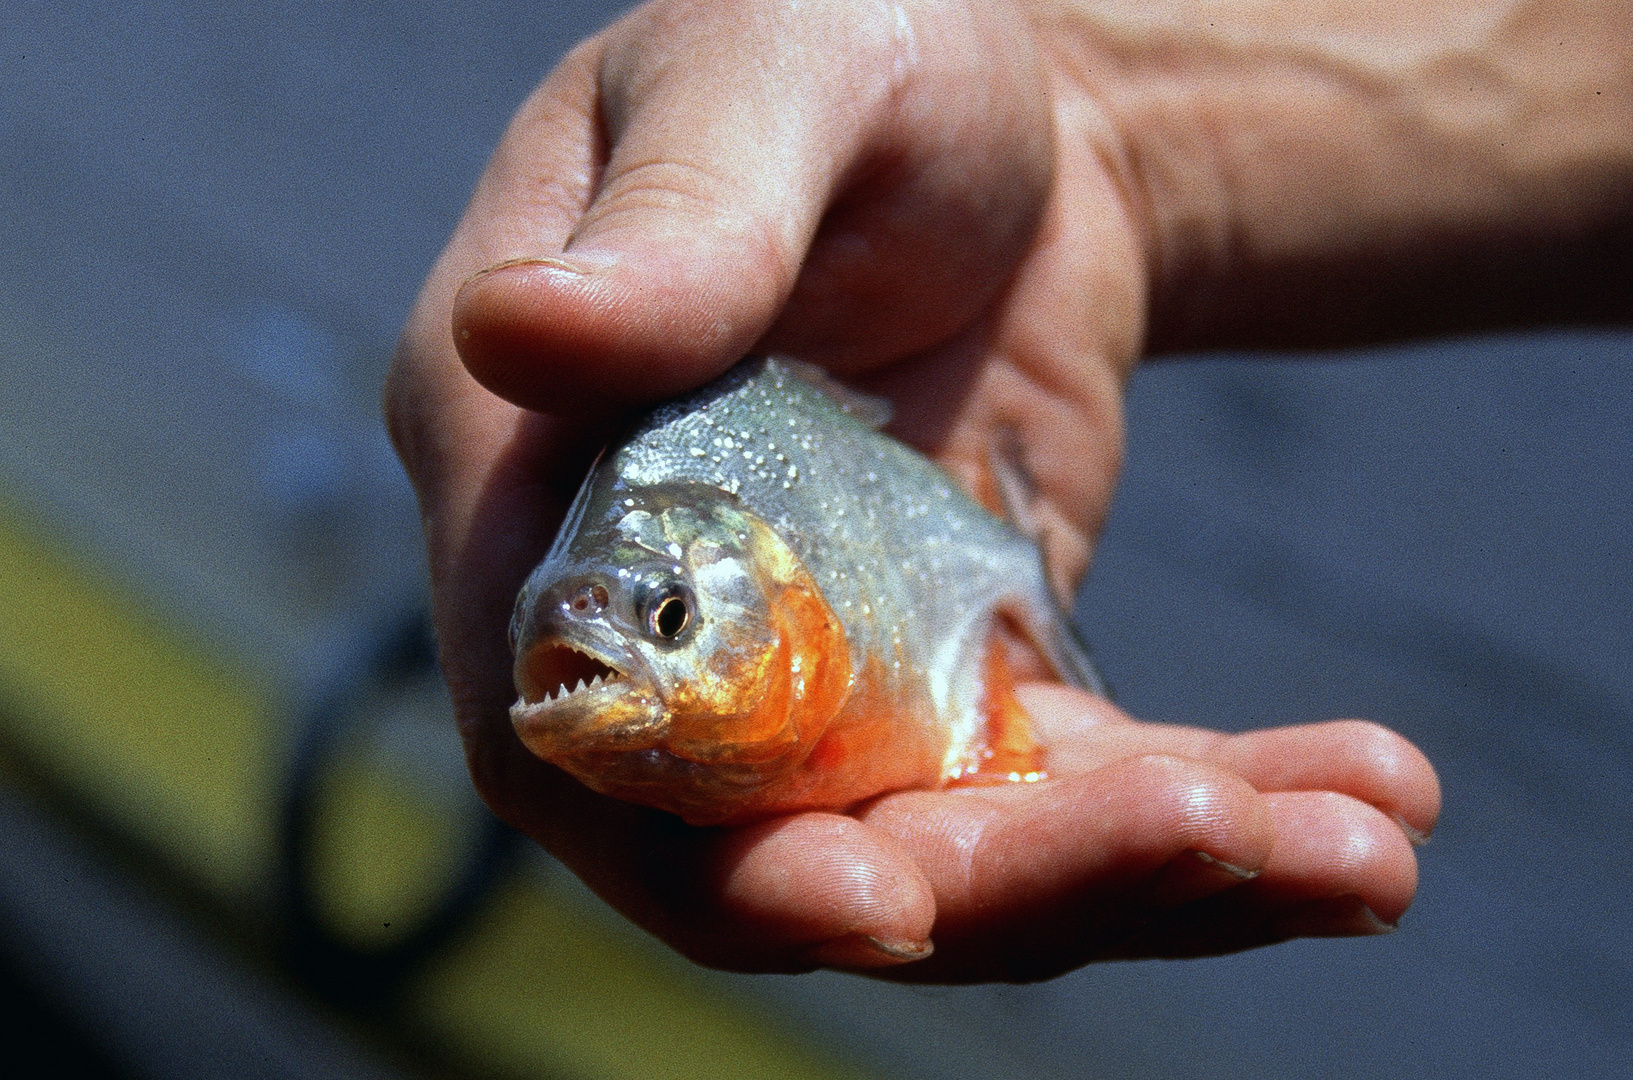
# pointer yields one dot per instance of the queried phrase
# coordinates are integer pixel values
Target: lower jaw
(702, 794)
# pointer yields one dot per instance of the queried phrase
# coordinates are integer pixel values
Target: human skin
(990, 212)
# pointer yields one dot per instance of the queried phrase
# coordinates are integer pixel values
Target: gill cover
(765, 665)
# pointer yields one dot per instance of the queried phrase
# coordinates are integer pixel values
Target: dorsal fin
(1053, 636)
(1017, 492)
(870, 409)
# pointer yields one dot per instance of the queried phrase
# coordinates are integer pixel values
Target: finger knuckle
(397, 409)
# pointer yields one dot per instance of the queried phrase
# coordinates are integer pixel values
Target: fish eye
(670, 613)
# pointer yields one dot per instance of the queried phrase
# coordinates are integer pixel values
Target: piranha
(758, 602)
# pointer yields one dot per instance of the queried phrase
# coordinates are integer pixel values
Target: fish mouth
(551, 673)
(574, 702)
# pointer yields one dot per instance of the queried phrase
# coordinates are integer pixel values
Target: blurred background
(235, 832)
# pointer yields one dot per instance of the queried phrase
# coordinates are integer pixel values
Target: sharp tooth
(579, 687)
(595, 682)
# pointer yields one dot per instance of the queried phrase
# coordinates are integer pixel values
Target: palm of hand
(1001, 300)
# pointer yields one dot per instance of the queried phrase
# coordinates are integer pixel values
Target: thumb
(727, 130)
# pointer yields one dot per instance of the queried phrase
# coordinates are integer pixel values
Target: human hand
(924, 201)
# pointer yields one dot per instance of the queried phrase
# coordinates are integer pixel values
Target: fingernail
(902, 950)
(1240, 873)
(1192, 875)
(578, 266)
(1415, 837)
(867, 951)
(1337, 916)
(542, 262)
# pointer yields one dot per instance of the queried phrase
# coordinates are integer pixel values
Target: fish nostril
(588, 600)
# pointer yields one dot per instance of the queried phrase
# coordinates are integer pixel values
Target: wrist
(1317, 177)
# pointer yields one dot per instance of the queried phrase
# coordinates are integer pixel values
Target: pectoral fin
(1007, 752)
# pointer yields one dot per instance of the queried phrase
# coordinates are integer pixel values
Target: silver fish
(760, 603)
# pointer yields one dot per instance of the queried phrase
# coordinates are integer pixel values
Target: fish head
(676, 654)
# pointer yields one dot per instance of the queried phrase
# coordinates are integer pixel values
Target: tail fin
(1069, 655)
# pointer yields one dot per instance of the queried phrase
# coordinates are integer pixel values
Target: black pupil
(671, 617)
